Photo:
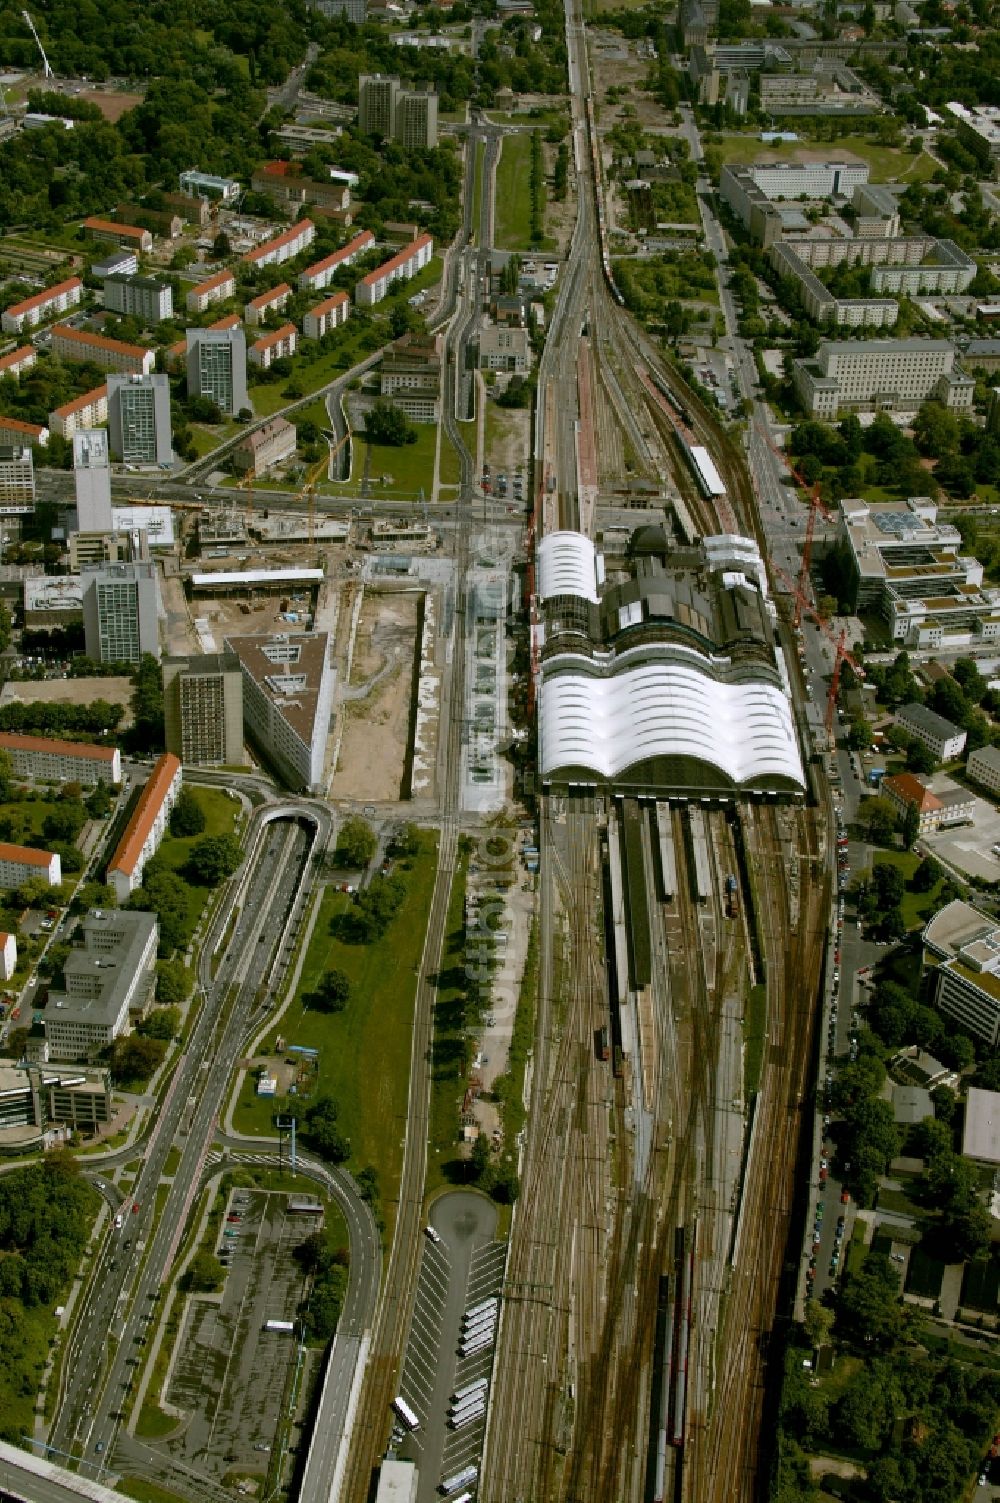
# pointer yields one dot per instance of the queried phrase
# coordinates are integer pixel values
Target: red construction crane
(815, 505)
(841, 654)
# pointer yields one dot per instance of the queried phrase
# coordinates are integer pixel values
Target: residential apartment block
(203, 708)
(272, 301)
(978, 129)
(321, 274)
(139, 419)
(892, 375)
(129, 235)
(18, 361)
(118, 263)
(400, 267)
(919, 264)
(908, 566)
(217, 367)
(32, 311)
(146, 826)
(283, 247)
(270, 444)
(276, 344)
(109, 354)
(21, 863)
(287, 701)
(17, 479)
(15, 431)
(86, 411)
(983, 767)
(945, 740)
(329, 314)
(46, 760)
(110, 981)
(120, 612)
(387, 109)
(215, 289)
(139, 297)
(8, 956)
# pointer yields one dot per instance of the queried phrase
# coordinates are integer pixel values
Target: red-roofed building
(287, 183)
(327, 315)
(35, 310)
(89, 410)
(213, 290)
(284, 246)
(109, 354)
(55, 761)
(14, 431)
(146, 826)
(904, 790)
(276, 344)
(18, 361)
(271, 301)
(401, 267)
(118, 234)
(20, 863)
(321, 273)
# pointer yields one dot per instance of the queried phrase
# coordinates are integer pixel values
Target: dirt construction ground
(377, 700)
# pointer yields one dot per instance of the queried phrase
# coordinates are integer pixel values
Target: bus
(486, 1304)
(461, 1479)
(279, 1325)
(465, 1417)
(469, 1390)
(405, 1413)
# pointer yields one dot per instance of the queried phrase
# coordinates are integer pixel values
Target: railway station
(665, 678)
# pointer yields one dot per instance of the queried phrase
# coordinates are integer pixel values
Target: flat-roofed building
(36, 1095)
(161, 221)
(503, 349)
(287, 701)
(292, 242)
(139, 419)
(110, 981)
(146, 826)
(121, 605)
(8, 956)
(981, 1127)
(217, 367)
(119, 234)
(962, 956)
(121, 263)
(97, 349)
(18, 361)
(21, 863)
(203, 709)
(17, 478)
(400, 267)
(271, 301)
(882, 375)
(92, 480)
(327, 315)
(34, 310)
(214, 289)
(276, 344)
(983, 767)
(752, 191)
(86, 411)
(203, 185)
(270, 444)
(321, 273)
(144, 298)
(944, 739)
(46, 760)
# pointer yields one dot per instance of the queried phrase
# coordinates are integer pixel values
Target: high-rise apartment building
(17, 478)
(386, 109)
(120, 609)
(416, 119)
(139, 297)
(139, 419)
(92, 478)
(217, 367)
(203, 709)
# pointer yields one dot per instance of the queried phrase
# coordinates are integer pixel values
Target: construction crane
(815, 506)
(47, 67)
(308, 491)
(838, 639)
(246, 484)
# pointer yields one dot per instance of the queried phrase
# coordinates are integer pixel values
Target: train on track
(673, 1393)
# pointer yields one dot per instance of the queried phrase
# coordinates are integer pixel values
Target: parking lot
(969, 848)
(231, 1375)
(457, 1272)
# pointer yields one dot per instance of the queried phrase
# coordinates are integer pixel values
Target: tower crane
(46, 65)
(838, 639)
(815, 506)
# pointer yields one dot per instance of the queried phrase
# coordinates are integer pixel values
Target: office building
(283, 247)
(876, 212)
(978, 129)
(139, 297)
(203, 185)
(110, 981)
(962, 958)
(117, 547)
(329, 314)
(32, 311)
(289, 185)
(399, 268)
(502, 349)
(92, 479)
(33, 1095)
(983, 767)
(139, 419)
(17, 479)
(86, 411)
(270, 444)
(321, 274)
(146, 826)
(14, 431)
(203, 709)
(753, 192)
(276, 344)
(890, 375)
(23, 863)
(830, 88)
(287, 702)
(217, 367)
(18, 362)
(43, 759)
(214, 289)
(120, 612)
(130, 236)
(386, 109)
(109, 354)
(272, 301)
(945, 740)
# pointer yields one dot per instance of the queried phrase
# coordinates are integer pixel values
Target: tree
(147, 704)
(927, 875)
(375, 906)
(98, 803)
(356, 844)
(920, 758)
(64, 822)
(162, 1023)
(888, 884)
(859, 737)
(204, 1273)
(213, 858)
(818, 1322)
(333, 992)
(869, 1302)
(322, 1133)
(173, 982)
(133, 1060)
(187, 817)
(881, 820)
(406, 841)
(385, 423)
(910, 826)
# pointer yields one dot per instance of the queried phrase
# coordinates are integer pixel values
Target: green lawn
(916, 907)
(24, 818)
(450, 469)
(477, 188)
(407, 470)
(267, 397)
(221, 813)
(364, 1051)
(513, 194)
(887, 163)
(147, 1492)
